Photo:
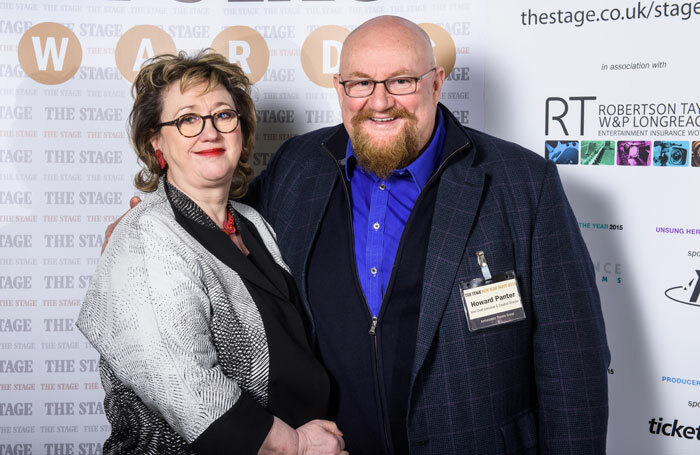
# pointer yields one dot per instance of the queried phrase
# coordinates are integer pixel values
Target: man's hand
(320, 437)
(133, 202)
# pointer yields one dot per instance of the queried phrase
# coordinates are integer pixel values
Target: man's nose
(380, 100)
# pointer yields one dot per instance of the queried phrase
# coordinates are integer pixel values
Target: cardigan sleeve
(148, 314)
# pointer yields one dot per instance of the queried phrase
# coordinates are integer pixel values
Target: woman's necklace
(229, 226)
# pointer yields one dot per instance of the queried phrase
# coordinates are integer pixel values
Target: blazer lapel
(218, 244)
(271, 270)
(458, 199)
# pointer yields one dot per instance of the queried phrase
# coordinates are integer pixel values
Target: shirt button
(375, 226)
(373, 270)
(382, 186)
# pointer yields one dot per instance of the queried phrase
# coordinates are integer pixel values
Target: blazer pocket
(520, 434)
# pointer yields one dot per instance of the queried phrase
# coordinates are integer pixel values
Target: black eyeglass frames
(399, 85)
(191, 124)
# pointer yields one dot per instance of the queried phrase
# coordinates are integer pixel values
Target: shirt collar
(422, 168)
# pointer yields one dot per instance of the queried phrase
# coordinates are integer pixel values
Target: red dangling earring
(159, 157)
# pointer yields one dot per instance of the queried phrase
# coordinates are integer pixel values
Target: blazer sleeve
(571, 354)
(148, 315)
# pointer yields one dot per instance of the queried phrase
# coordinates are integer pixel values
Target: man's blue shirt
(380, 210)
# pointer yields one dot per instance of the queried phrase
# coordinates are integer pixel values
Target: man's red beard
(382, 159)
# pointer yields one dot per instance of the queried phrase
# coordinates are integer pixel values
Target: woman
(197, 321)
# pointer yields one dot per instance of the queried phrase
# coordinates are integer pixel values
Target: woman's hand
(320, 437)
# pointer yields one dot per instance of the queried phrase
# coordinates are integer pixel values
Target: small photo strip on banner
(668, 153)
(633, 153)
(597, 153)
(696, 154)
(671, 153)
(561, 152)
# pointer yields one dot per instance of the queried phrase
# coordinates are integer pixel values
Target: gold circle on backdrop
(246, 47)
(49, 53)
(443, 46)
(320, 54)
(137, 45)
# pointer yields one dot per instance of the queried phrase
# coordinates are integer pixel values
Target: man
(381, 219)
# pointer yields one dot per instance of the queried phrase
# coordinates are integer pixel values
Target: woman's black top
(298, 386)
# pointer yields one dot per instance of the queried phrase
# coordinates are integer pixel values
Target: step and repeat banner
(609, 91)
(66, 166)
(606, 91)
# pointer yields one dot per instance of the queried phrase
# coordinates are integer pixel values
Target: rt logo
(686, 294)
(556, 110)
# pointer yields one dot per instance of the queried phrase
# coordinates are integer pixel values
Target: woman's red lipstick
(211, 152)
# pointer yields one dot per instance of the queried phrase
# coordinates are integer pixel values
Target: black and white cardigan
(167, 367)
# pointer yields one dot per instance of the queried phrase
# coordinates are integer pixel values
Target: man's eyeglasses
(399, 85)
(191, 125)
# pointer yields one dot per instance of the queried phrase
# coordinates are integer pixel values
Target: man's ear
(437, 83)
(339, 89)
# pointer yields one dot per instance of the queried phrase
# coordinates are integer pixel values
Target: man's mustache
(396, 112)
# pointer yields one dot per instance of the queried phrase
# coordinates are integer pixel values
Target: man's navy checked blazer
(536, 386)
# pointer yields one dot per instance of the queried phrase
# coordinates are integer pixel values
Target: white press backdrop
(529, 72)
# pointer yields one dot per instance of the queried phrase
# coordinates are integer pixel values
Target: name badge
(491, 301)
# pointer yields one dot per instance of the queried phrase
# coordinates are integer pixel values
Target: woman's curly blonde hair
(205, 67)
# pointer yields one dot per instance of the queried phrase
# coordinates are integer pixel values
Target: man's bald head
(393, 28)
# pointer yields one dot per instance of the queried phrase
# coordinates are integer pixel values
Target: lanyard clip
(481, 260)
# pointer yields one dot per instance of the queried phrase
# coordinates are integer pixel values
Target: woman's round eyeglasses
(191, 125)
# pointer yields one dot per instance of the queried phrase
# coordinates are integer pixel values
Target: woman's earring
(159, 157)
